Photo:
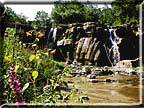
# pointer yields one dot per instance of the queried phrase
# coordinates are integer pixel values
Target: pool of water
(104, 92)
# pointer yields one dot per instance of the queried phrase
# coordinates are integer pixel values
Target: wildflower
(10, 80)
(19, 101)
(7, 59)
(40, 35)
(37, 58)
(14, 84)
(53, 52)
(28, 34)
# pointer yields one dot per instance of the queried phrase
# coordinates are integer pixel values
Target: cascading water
(54, 34)
(115, 55)
(50, 38)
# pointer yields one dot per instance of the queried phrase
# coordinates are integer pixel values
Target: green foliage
(25, 87)
(139, 68)
(107, 16)
(122, 12)
(31, 58)
(41, 19)
(59, 64)
(126, 11)
(35, 68)
(11, 16)
(74, 12)
(68, 12)
(92, 14)
(34, 74)
(17, 67)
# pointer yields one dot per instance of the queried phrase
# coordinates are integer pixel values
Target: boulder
(106, 72)
(86, 70)
(108, 80)
(93, 80)
(84, 97)
(124, 64)
(91, 76)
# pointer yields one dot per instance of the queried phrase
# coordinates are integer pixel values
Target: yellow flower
(53, 52)
(28, 34)
(7, 59)
(40, 35)
(37, 57)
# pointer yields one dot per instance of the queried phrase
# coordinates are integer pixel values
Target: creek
(104, 92)
(106, 88)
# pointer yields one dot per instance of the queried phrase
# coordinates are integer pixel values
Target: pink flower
(10, 80)
(19, 101)
(14, 85)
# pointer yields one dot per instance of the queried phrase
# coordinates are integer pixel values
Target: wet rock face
(85, 45)
(79, 48)
(88, 43)
(129, 48)
(129, 43)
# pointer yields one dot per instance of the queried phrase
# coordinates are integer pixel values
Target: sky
(30, 10)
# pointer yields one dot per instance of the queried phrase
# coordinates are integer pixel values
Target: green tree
(68, 12)
(122, 12)
(107, 16)
(92, 14)
(41, 18)
(11, 16)
(126, 11)
(76, 12)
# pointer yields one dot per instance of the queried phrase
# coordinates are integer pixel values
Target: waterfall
(115, 57)
(49, 38)
(54, 34)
